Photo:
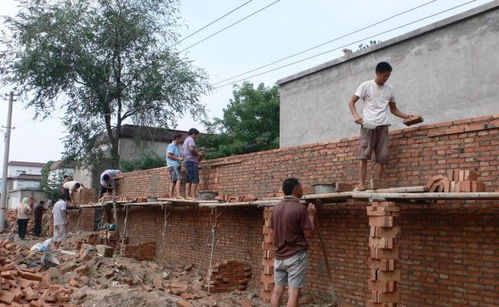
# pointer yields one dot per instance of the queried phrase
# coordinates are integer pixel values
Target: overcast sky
(284, 28)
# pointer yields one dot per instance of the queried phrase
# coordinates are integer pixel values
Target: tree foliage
(147, 161)
(51, 186)
(103, 62)
(250, 123)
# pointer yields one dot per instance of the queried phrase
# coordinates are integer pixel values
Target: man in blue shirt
(173, 158)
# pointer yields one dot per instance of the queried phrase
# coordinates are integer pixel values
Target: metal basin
(323, 188)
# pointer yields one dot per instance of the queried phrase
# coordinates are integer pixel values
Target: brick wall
(448, 250)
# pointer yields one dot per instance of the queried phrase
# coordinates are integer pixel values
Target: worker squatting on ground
(291, 222)
(23, 213)
(192, 157)
(378, 97)
(61, 221)
(173, 160)
(107, 181)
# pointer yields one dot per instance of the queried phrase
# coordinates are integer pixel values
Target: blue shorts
(192, 169)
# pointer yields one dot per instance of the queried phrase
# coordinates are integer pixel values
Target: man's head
(292, 186)
(106, 177)
(177, 138)
(383, 71)
(194, 133)
(42, 202)
(63, 196)
(76, 187)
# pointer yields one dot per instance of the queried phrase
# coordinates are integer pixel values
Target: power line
(325, 43)
(214, 21)
(346, 45)
(231, 25)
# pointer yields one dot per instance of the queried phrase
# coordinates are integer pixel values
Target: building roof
(145, 133)
(27, 177)
(396, 40)
(61, 164)
(24, 163)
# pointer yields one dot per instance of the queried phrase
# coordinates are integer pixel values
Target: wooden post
(383, 260)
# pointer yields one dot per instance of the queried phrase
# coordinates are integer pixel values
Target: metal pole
(3, 201)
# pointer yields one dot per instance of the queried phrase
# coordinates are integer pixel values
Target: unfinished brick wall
(448, 251)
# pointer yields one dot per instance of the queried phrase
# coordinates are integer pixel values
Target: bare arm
(173, 157)
(351, 104)
(193, 150)
(311, 216)
(395, 111)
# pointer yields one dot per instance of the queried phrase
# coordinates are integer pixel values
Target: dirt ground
(100, 281)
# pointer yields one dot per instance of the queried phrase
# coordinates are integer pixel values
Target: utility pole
(3, 201)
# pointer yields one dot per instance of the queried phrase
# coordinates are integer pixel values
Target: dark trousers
(22, 225)
(38, 227)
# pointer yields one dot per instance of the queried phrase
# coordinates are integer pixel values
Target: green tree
(51, 186)
(147, 161)
(250, 123)
(104, 62)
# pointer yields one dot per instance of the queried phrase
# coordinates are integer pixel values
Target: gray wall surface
(445, 71)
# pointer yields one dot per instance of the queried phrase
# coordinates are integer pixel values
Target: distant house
(23, 180)
(135, 141)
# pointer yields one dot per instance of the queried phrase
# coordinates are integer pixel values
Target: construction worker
(292, 223)
(61, 220)
(107, 181)
(192, 157)
(173, 159)
(69, 187)
(23, 213)
(39, 208)
(378, 98)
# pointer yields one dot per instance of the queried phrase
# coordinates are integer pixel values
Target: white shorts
(60, 233)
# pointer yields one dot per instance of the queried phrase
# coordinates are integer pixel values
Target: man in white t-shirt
(378, 98)
(69, 187)
(61, 221)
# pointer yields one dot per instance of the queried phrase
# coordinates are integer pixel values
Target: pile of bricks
(21, 286)
(267, 277)
(457, 180)
(226, 198)
(383, 260)
(229, 276)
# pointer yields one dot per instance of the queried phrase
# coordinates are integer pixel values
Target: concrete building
(135, 141)
(444, 71)
(23, 181)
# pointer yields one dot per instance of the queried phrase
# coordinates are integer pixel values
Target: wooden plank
(413, 189)
(415, 196)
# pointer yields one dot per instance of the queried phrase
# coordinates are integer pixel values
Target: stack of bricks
(464, 181)
(267, 277)
(229, 276)
(457, 180)
(383, 260)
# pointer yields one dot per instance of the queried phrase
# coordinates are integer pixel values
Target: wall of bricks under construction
(448, 251)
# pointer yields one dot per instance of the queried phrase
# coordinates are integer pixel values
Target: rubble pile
(21, 285)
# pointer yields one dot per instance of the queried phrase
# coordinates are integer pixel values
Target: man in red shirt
(291, 221)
